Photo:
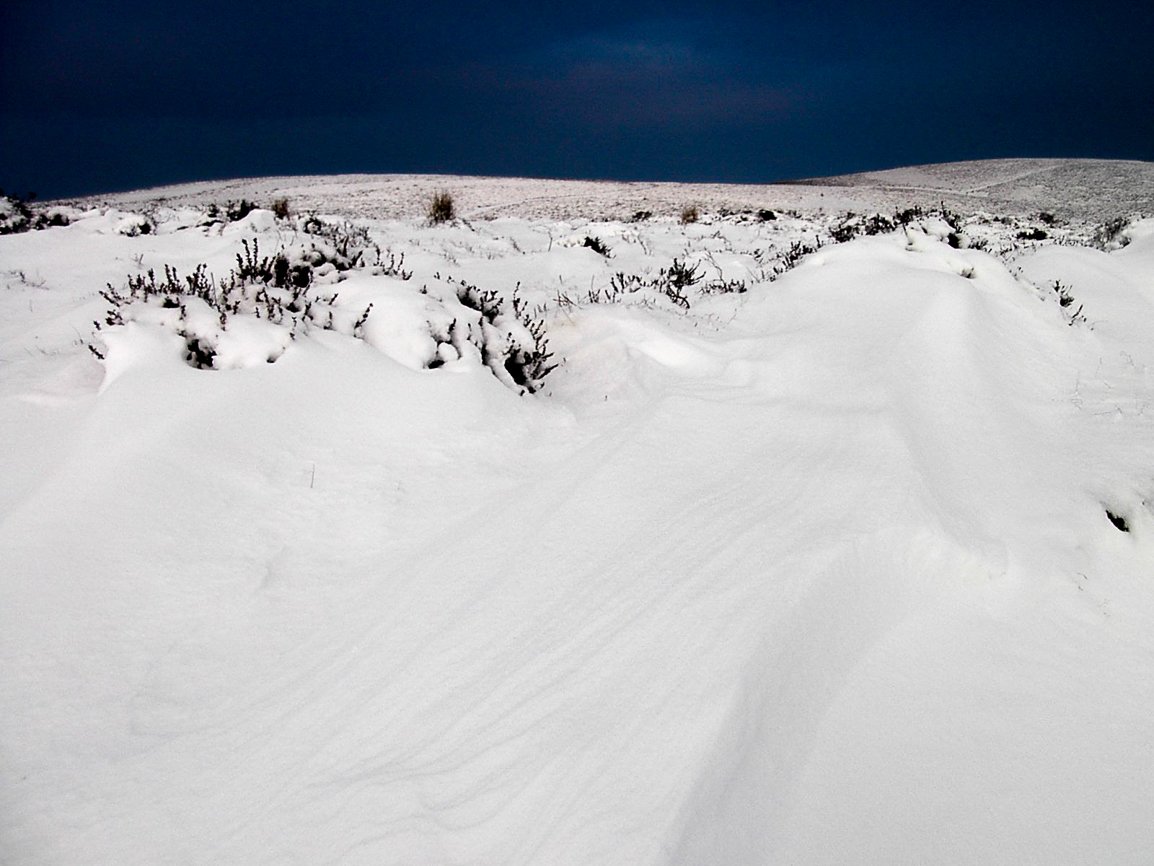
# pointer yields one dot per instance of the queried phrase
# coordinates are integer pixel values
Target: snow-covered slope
(843, 556)
(1083, 190)
(1078, 188)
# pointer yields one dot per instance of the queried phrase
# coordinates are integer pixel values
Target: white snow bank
(825, 571)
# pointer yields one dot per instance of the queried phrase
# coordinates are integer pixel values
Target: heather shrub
(441, 208)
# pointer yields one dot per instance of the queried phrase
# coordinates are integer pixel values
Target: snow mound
(816, 552)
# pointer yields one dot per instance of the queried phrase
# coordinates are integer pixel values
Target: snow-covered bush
(792, 257)
(52, 218)
(267, 301)
(135, 225)
(514, 347)
(328, 253)
(908, 215)
(231, 211)
(724, 287)
(346, 246)
(258, 294)
(238, 210)
(672, 282)
(853, 226)
(16, 215)
(1032, 234)
(943, 216)
(1112, 235)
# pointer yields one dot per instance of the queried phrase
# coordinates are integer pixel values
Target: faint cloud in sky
(634, 80)
(623, 53)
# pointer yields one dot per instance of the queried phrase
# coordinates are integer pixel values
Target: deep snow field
(805, 552)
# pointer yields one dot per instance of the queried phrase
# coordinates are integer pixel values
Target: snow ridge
(818, 570)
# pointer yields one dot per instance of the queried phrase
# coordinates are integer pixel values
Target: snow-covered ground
(1081, 189)
(805, 552)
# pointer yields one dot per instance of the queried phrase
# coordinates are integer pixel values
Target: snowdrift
(803, 552)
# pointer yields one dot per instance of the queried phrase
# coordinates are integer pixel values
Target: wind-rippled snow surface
(846, 562)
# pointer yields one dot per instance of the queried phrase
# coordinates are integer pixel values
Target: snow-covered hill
(829, 539)
(1084, 190)
(1088, 189)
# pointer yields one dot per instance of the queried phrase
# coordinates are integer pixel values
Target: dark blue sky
(100, 96)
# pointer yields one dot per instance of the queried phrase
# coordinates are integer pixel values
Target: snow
(818, 572)
(1084, 189)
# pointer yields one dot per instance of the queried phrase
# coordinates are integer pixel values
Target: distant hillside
(1094, 189)
(1080, 190)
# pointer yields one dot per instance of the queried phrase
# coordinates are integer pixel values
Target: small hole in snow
(1118, 520)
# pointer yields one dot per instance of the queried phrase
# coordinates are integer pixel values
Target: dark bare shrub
(441, 208)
